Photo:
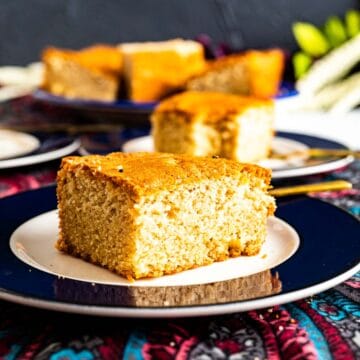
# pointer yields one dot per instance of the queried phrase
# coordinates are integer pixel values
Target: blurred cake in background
(205, 123)
(254, 72)
(153, 70)
(92, 73)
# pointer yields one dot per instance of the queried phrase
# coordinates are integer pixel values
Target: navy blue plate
(119, 105)
(52, 146)
(286, 90)
(328, 254)
(312, 166)
(125, 112)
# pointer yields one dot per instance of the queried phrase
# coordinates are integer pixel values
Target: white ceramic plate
(15, 143)
(281, 146)
(51, 148)
(284, 144)
(19, 81)
(33, 242)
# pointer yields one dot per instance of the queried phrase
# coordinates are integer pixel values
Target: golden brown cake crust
(153, 70)
(92, 73)
(103, 59)
(225, 61)
(148, 173)
(208, 106)
(265, 71)
(253, 72)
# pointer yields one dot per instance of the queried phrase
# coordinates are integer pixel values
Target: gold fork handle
(316, 152)
(304, 189)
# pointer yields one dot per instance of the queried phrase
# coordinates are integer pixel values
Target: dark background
(27, 26)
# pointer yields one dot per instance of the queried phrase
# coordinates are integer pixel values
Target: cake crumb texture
(162, 213)
(203, 123)
(92, 73)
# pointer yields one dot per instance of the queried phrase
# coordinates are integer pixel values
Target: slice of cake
(92, 73)
(153, 70)
(257, 73)
(227, 74)
(150, 214)
(265, 71)
(214, 124)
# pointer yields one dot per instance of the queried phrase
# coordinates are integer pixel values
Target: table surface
(324, 326)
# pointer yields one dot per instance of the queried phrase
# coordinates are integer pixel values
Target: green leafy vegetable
(301, 64)
(352, 21)
(335, 31)
(310, 39)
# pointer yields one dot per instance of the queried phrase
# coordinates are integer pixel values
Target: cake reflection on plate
(244, 288)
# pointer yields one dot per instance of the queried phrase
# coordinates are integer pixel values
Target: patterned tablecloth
(325, 326)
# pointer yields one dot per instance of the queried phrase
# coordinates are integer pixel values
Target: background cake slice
(254, 72)
(93, 73)
(153, 70)
(146, 215)
(214, 124)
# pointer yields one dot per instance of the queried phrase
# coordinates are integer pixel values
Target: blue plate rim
(45, 96)
(37, 300)
(287, 90)
(326, 165)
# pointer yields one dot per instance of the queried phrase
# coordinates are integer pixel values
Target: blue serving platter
(328, 254)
